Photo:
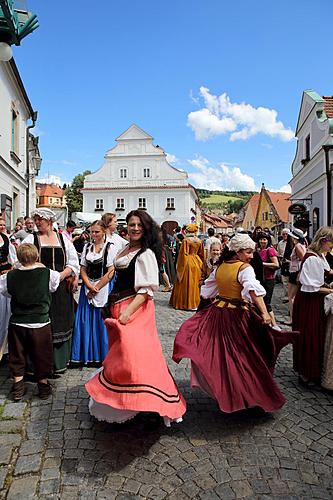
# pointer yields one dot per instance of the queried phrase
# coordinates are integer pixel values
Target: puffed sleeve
(83, 260)
(312, 275)
(3, 285)
(54, 280)
(72, 259)
(209, 290)
(112, 252)
(247, 278)
(29, 239)
(146, 273)
(12, 257)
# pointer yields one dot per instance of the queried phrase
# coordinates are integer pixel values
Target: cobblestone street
(54, 449)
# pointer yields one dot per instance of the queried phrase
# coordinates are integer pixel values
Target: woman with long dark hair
(231, 346)
(135, 376)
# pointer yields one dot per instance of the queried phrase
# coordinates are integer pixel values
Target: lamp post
(15, 24)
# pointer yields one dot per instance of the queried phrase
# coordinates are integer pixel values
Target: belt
(118, 296)
(234, 302)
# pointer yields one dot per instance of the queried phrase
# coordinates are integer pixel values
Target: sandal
(167, 289)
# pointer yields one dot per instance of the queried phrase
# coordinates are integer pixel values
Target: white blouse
(246, 278)
(312, 275)
(146, 270)
(89, 255)
(72, 259)
(117, 241)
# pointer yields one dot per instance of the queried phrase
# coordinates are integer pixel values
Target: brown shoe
(44, 390)
(18, 390)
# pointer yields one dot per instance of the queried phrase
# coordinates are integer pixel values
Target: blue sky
(218, 84)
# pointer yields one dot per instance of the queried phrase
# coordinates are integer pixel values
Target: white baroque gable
(127, 164)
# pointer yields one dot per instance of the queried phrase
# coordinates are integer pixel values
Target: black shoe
(18, 390)
(44, 390)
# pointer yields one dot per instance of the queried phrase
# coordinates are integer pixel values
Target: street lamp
(6, 52)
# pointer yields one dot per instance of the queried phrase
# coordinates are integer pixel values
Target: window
(142, 203)
(14, 132)
(123, 173)
(263, 216)
(120, 204)
(307, 148)
(170, 204)
(99, 204)
(146, 172)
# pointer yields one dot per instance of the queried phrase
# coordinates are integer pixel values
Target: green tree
(73, 193)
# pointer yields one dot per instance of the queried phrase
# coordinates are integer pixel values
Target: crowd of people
(232, 340)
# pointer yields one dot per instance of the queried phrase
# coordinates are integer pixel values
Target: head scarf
(44, 213)
(192, 228)
(241, 242)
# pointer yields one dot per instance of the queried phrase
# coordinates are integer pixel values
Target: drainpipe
(27, 172)
(326, 149)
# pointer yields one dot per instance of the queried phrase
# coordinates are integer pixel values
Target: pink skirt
(233, 356)
(135, 375)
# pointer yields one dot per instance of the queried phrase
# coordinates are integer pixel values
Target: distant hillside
(228, 201)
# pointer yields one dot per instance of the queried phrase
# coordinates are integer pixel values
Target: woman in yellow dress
(186, 291)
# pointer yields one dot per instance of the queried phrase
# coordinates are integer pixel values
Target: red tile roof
(49, 190)
(281, 202)
(328, 106)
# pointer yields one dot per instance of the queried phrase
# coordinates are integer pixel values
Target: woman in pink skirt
(231, 346)
(135, 376)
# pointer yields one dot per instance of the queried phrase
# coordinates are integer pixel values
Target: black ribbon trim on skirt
(101, 374)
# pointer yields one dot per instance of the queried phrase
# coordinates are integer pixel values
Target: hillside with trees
(225, 201)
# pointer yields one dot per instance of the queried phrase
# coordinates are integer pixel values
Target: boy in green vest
(29, 333)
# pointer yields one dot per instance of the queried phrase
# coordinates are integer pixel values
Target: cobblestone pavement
(54, 449)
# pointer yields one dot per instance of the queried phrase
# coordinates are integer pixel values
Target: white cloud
(220, 177)
(220, 116)
(50, 179)
(283, 189)
(172, 158)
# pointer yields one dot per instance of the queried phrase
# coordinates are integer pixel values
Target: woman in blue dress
(90, 340)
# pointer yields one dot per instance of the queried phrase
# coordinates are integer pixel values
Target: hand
(266, 318)
(75, 284)
(124, 317)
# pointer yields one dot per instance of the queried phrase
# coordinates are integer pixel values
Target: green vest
(30, 296)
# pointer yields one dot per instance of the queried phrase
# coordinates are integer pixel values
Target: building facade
(311, 182)
(268, 209)
(19, 152)
(135, 174)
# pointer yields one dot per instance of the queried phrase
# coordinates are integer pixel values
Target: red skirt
(309, 318)
(235, 354)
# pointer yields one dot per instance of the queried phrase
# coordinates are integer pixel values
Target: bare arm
(86, 280)
(259, 302)
(132, 307)
(106, 278)
(274, 264)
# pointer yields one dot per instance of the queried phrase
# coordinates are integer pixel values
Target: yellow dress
(186, 291)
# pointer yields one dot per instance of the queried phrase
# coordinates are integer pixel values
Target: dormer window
(146, 172)
(307, 148)
(123, 173)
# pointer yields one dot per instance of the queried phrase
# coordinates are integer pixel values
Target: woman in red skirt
(308, 311)
(231, 346)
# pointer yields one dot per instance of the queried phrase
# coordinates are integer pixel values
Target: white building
(136, 174)
(19, 153)
(311, 184)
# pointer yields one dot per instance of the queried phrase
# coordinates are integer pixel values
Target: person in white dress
(7, 259)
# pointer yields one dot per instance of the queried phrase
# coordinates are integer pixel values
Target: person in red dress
(230, 343)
